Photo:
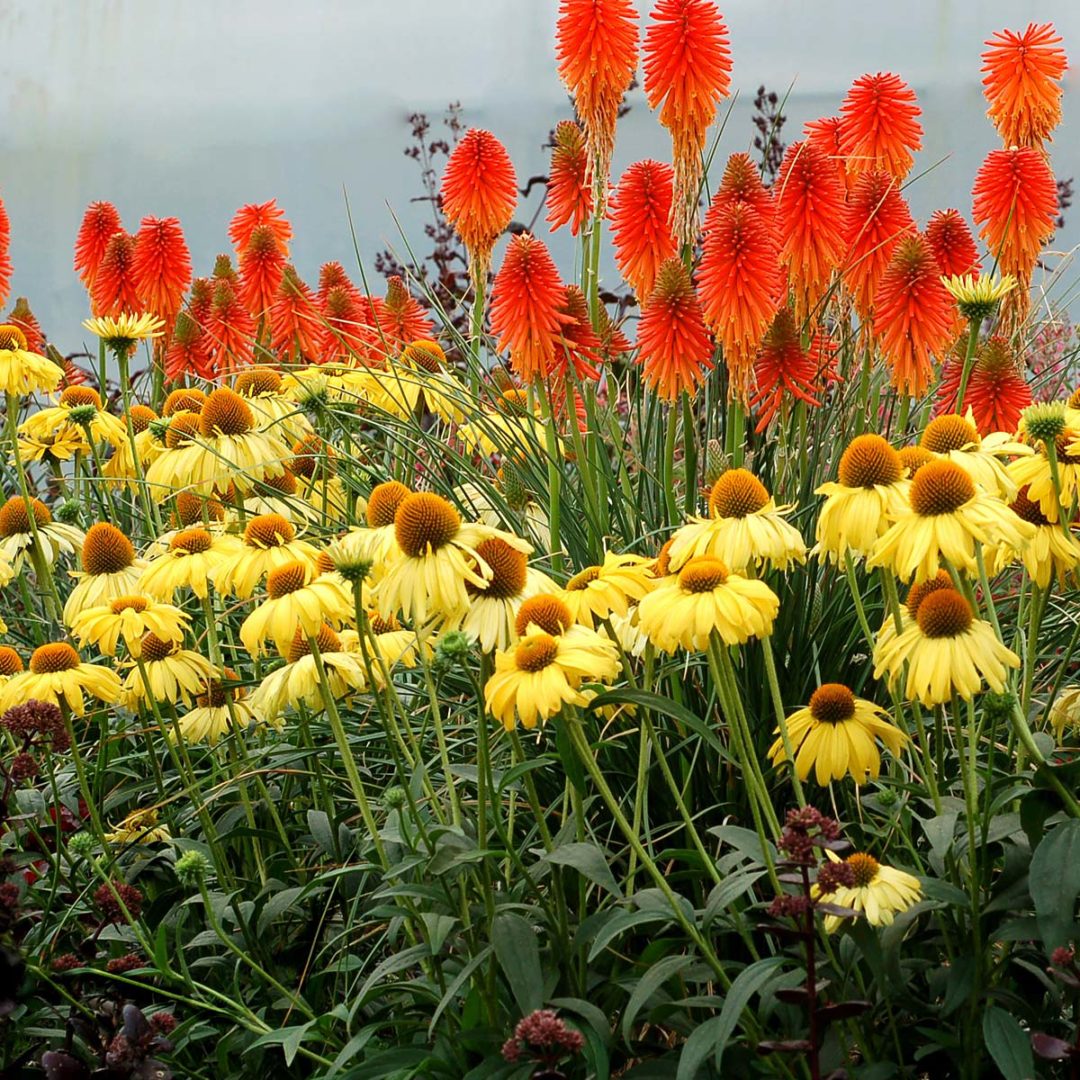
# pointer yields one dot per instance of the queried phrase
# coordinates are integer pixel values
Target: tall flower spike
(825, 134)
(187, 353)
(913, 316)
(640, 213)
(525, 301)
(1015, 204)
(1022, 83)
(880, 129)
(100, 221)
(996, 393)
(674, 348)
(479, 194)
(114, 291)
(402, 318)
(809, 219)
(161, 266)
(262, 265)
(5, 254)
(332, 276)
(22, 317)
(578, 345)
(741, 183)
(596, 46)
(230, 330)
(951, 241)
(569, 191)
(739, 283)
(687, 62)
(251, 216)
(783, 367)
(876, 218)
(296, 323)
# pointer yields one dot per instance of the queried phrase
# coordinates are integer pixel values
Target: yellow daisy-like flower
(171, 674)
(542, 673)
(957, 439)
(297, 681)
(219, 709)
(598, 592)
(704, 598)
(16, 535)
(836, 735)
(1035, 474)
(120, 465)
(314, 464)
(945, 518)
(277, 495)
(229, 448)
(376, 545)
(110, 570)
(879, 892)
(269, 542)
(1051, 554)
(120, 332)
(58, 675)
(524, 514)
(493, 609)
(140, 827)
(857, 510)
(438, 556)
(21, 371)
(745, 528)
(1065, 712)
(61, 444)
(295, 599)
(512, 431)
(77, 410)
(393, 643)
(443, 394)
(192, 558)
(10, 663)
(130, 618)
(910, 608)
(947, 650)
(171, 469)
(274, 407)
(978, 295)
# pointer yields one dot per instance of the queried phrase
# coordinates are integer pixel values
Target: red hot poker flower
(5, 257)
(951, 241)
(674, 348)
(1022, 83)
(250, 217)
(262, 265)
(996, 393)
(640, 212)
(161, 267)
(880, 128)
(296, 323)
(783, 368)
(569, 192)
(99, 223)
(114, 291)
(402, 318)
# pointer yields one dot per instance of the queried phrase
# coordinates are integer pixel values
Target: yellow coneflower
(597, 592)
(836, 735)
(686, 609)
(170, 471)
(1065, 711)
(1051, 554)
(77, 410)
(269, 543)
(745, 528)
(110, 570)
(279, 495)
(295, 598)
(493, 609)
(10, 663)
(140, 827)
(297, 681)
(946, 516)
(948, 651)
(58, 675)
(857, 510)
(1035, 474)
(130, 618)
(274, 407)
(913, 458)
(62, 444)
(512, 429)
(21, 371)
(957, 439)
(192, 558)
(910, 608)
(121, 463)
(172, 674)
(377, 544)
(438, 556)
(314, 464)
(539, 675)
(16, 535)
(230, 449)
(120, 332)
(394, 644)
(978, 295)
(442, 393)
(879, 892)
(219, 708)
(527, 514)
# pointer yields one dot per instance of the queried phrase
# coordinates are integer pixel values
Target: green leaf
(288, 1038)
(1055, 882)
(460, 979)
(589, 861)
(1008, 1043)
(280, 903)
(321, 831)
(714, 1035)
(620, 923)
(518, 953)
(649, 983)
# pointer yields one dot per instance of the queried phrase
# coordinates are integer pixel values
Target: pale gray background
(192, 108)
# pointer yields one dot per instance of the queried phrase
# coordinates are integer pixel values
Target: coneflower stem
(781, 718)
(965, 371)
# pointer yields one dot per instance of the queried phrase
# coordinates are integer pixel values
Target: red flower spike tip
(569, 192)
(951, 241)
(250, 217)
(161, 267)
(640, 212)
(100, 221)
(880, 128)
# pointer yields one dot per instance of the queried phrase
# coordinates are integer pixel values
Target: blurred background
(192, 109)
